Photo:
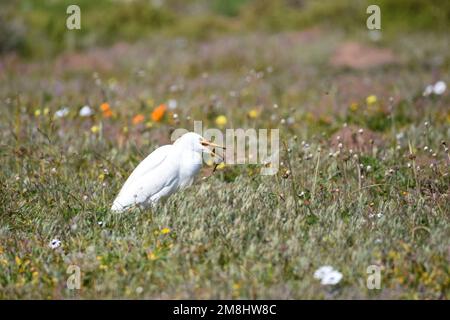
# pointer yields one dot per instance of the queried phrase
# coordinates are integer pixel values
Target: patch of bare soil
(357, 56)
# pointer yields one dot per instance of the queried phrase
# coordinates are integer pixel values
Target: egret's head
(196, 143)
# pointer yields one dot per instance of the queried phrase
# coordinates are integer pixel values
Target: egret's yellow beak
(205, 142)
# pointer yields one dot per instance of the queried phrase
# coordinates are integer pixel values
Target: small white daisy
(327, 275)
(322, 272)
(172, 104)
(61, 113)
(86, 111)
(331, 278)
(439, 87)
(55, 243)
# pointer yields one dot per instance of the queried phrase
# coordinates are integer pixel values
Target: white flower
(327, 275)
(172, 104)
(86, 111)
(428, 90)
(322, 272)
(61, 113)
(55, 243)
(331, 278)
(439, 87)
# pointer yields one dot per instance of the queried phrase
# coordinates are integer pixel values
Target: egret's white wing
(155, 174)
(153, 160)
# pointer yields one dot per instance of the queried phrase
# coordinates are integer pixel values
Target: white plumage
(166, 170)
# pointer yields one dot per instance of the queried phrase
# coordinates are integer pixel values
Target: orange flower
(106, 109)
(138, 119)
(159, 112)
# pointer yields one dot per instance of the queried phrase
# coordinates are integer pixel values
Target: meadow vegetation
(364, 172)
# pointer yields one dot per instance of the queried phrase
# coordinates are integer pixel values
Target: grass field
(363, 180)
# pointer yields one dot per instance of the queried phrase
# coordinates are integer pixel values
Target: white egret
(166, 170)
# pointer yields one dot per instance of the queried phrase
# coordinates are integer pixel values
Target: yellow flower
(151, 256)
(165, 231)
(254, 113)
(125, 129)
(354, 106)
(220, 166)
(46, 111)
(95, 129)
(149, 124)
(372, 99)
(18, 261)
(221, 120)
(37, 112)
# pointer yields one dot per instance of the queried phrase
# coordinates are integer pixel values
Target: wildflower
(327, 275)
(428, 90)
(61, 113)
(438, 88)
(220, 166)
(254, 113)
(55, 243)
(354, 106)
(46, 111)
(332, 278)
(172, 104)
(165, 231)
(159, 112)
(106, 110)
(322, 271)
(105, 107)
(37, 113)
(86, 111)
(151, 256)
(95, 129)
(138, 119)
(372, 99)
(221, 120)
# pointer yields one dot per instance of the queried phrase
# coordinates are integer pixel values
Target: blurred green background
(37, 28)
